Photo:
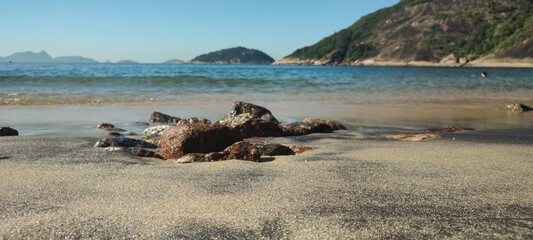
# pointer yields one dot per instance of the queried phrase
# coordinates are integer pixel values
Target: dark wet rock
(196, 138)
(304, 128)
(105, 125)
(194, 120)
(157, 130)
(114, 134)
(334, 125)
(262, 113)
(123, 142)
(141, 123)
(141, 152)
(448, 129)
(129, 133)
(518, 107)
(7, 131)
(242, 151)
(250, 126)
(274, 149)
(158, 118)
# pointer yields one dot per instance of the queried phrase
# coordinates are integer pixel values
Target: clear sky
(159, 30)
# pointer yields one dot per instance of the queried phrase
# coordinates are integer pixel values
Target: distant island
(173, 61)
(237, 55)
(430, 33)
(43, 57)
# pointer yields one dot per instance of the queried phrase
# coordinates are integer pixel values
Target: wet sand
(355, 185)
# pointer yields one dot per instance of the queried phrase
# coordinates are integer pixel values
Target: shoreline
(82, 119)
(487, 62)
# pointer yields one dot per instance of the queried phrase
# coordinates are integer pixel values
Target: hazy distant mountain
(174, 61)
(74, 59)
(126, 62)
(237, 55)
(43, 57)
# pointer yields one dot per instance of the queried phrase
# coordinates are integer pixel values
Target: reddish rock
(158, 118)
(274, 149)
(242, 151)
(7, 131)
(448, 129)
(301, 149)
(196, 138)
(262, 113)
(334, 125)
(304, 128)
(141, 152)
(250, 126)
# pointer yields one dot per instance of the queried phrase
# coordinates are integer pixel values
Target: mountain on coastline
(173, 61)
(43, 57)
(431, 33)
(237, 55)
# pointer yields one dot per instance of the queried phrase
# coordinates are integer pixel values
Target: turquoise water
(35, 84)
(73, 98)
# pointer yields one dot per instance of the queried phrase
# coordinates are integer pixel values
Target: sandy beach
(355, 185)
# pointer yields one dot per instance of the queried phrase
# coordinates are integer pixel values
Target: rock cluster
(199, 140)
(518, 107)
(7, 131)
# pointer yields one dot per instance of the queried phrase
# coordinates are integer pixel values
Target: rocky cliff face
(429, 33)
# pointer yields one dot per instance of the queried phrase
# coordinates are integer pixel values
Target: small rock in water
(7, 131)
(448, 129)
(123, 142)
(105, 125)
(517, 107)
(262, 113)
(414, 138)
(158, 118)
(114, 134)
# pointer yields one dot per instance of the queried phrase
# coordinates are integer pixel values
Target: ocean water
(75, 95)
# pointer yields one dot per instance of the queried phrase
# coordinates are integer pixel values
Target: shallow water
(67, 98)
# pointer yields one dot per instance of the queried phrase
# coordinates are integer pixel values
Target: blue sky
(159, 30)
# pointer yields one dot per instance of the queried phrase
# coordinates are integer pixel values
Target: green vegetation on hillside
(493, 30)
(239, 55)
(491, 35)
